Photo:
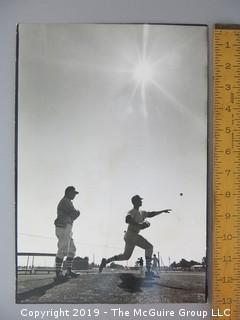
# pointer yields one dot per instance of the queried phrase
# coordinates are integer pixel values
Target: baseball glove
(145, 225)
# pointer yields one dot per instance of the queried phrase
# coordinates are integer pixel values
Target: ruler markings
(226, 168)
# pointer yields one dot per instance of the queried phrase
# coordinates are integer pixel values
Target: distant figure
(155, 265)
(136, 222)
(66, 214)
(141, 262)
(141, 265)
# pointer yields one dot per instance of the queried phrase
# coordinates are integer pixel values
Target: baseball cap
(71, 189)
(136, 198)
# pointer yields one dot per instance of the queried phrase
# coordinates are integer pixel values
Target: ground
(113, 288)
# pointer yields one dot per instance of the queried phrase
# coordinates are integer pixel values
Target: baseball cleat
(103, 264)
(71, 275)
(156, 276)
(59, 278)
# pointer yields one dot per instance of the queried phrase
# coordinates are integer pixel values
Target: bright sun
(143, 72)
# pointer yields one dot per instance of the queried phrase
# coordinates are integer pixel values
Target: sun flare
(143, 72)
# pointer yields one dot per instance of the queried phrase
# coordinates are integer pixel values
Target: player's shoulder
(144, 213)
(132, 212)
(64, 201)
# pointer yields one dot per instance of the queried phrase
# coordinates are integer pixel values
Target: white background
(87, 118)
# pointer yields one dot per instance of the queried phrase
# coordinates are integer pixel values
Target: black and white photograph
(111, 163)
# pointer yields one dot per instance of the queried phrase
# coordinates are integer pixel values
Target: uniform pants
(66, 246)
(155, 269)
(132, 240)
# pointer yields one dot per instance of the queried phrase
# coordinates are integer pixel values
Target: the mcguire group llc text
(121, 313)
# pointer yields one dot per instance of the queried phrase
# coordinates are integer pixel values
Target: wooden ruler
(225, 264)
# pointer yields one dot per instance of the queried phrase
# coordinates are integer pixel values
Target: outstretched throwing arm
(155, 213)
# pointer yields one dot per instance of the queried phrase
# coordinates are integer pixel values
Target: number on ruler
(227, 300)
(228, 151)
(227, 45)
(227, 259)
(227, 236)
(228, 109)
(228, 66)
(227, 215)
(227, 279)
(227, 194)
(227, 171)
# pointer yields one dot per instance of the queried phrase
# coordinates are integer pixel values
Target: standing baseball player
(155, 265)
(66, 214)
(136, 222)
(141, 265)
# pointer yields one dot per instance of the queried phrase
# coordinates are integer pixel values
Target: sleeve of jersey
(144, 214)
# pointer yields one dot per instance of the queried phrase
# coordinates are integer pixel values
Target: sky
(114, 110)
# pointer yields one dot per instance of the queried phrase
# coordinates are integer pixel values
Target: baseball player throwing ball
(136, 222)
(66, 214)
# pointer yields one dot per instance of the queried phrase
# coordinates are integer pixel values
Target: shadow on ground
(114, 288)
(36, 292)
(130, 283)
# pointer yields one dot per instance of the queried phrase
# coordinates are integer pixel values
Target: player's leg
(155, 269)
(62, 249)
(128, 250)
(71, 251)
(69, 260)
(148, 247)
